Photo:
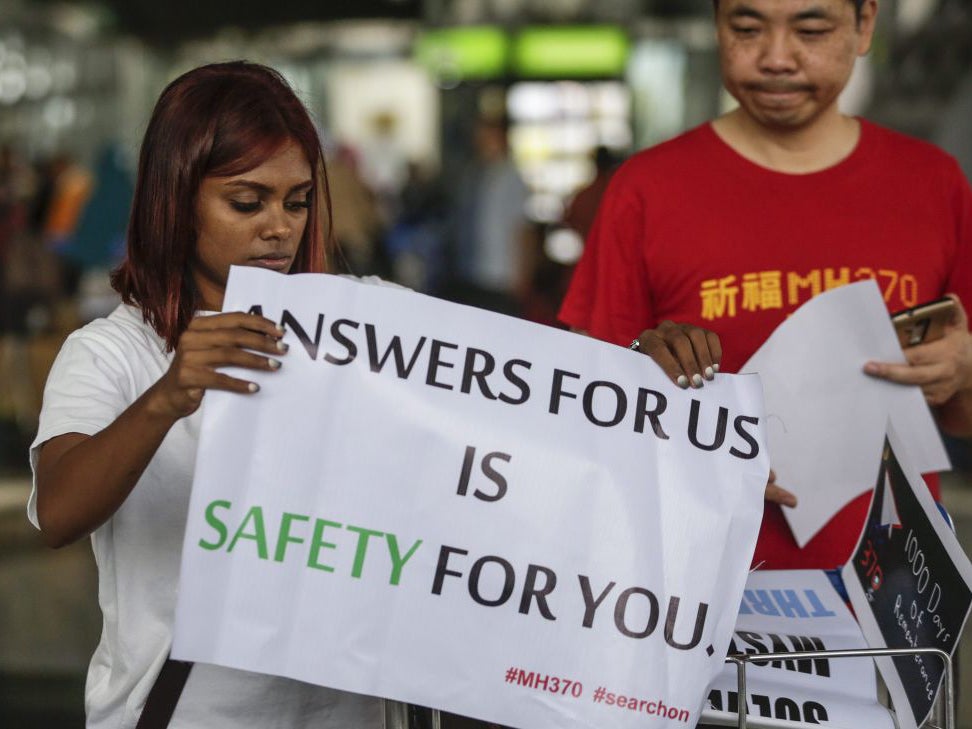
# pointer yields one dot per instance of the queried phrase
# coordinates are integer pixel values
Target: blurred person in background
(382, 163)
(490, 262)
(582, 208)
(18, 406)
(71, 186)
(230, 172)
(563, 243)
(17, 184)
(34, 278)
(13, 196)
(734, 224)
(415, 243)
(98, 242)
(358, 221)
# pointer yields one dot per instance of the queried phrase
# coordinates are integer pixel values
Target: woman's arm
(82, 480)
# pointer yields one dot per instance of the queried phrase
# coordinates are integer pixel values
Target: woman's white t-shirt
(101, 369)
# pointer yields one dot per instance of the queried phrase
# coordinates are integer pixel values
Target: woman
(230, 173)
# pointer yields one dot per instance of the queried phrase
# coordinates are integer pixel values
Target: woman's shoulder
(373, 281)
(124, 330)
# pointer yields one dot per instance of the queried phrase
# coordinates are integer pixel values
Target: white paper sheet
(825, 417)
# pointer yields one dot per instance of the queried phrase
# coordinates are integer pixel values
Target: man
(736, 223)
(490, 258)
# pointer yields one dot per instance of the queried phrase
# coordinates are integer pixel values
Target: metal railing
(409, 716)
(947, 697)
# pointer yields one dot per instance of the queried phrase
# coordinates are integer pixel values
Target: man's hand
(778, 494)
(941, 368)
(688, 354)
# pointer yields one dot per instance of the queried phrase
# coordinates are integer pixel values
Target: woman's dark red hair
(217, 120)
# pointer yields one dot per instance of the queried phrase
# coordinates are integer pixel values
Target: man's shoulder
(899, 149)
(674, 151)
(666, 162)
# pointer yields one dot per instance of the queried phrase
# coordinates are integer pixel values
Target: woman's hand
(210, 342)
(688, 354)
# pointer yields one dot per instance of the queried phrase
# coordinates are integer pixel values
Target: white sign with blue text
(792, 611)
(457, 509)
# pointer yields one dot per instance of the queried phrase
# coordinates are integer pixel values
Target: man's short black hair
(858, 4)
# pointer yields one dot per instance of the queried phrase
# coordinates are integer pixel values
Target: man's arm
(955, 416)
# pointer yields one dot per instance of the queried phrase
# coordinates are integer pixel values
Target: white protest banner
(786, 611)
(453, 508)
(909, 582)
(825, 417)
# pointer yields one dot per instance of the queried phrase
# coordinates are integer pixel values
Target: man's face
(786, 61)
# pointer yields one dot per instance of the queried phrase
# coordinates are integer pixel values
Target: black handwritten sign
(909, 582)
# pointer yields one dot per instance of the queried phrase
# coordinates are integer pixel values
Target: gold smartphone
(923, 323)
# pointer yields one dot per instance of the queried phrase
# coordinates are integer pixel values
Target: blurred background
(449, 125)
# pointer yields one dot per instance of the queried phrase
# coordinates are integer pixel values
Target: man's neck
(822, 144)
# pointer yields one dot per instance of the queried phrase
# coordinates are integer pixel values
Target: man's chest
(710, 270)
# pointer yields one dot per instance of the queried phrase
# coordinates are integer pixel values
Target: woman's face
(256, 218)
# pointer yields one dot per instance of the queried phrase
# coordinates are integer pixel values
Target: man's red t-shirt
(693, 232)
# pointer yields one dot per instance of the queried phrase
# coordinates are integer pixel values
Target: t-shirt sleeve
(960, 276)
(609, 296)
(87, 388)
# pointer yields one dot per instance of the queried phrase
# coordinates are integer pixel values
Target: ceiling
(163, 22)
(167, 22)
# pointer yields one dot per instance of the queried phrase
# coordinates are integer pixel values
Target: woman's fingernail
(274, 364)
(697, 380)
(871, 368)
(281, 329)
(282, 346)
(709, 373)
(715, 367)
(253, 387)
(682, 381)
